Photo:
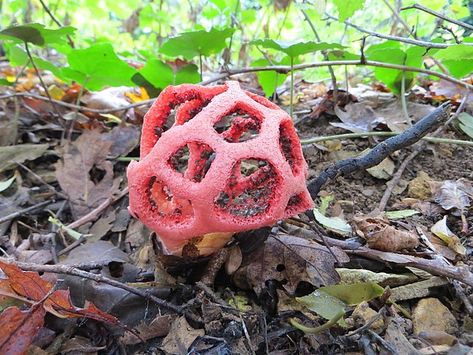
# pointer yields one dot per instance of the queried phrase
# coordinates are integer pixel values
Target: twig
(398, 18)
(24, 210)
(312, 140)
(56, 21)
(50, 99)
(69, 270)
(382, 150)
(278, 68)
(41, 180)
(214, 265)
(92, 215)
(415, 42)
(439, 15)
(434, 267)
(397, 176)
(324, 53)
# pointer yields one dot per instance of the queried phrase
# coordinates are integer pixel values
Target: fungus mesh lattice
(216, 159)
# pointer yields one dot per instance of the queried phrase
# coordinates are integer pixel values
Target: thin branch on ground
(382, 150)
(56, 21)
(397, 176)
(430, 139)
(93, 215)
(439, 15)
(69, 270)
(24, 210)
(415, 42)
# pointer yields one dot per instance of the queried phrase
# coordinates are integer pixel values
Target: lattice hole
(288, 143)
(249, 195)
(193, 160)
(238, 126)
(164, 203)
(294, 203)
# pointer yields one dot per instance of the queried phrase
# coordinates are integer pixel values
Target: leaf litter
(264, 274)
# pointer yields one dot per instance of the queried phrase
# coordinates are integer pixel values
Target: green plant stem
(324, 53)
(404, 100)
(41, 81)
(307, 141)
(200, 67)
(321, 328)
(292, 88)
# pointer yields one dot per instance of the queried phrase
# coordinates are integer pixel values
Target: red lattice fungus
(215, 159)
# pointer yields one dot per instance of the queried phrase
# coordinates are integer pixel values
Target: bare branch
(439, 15)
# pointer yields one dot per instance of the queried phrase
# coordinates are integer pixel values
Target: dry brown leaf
(381, 236)
(290, 260)
(81, 159)
(180, 337)
(357, 117)
(455, 195)
(419, 187)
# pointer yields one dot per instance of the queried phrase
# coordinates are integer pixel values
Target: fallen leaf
(79, 161)
(419, 187)
(335, 224)
(383, 170)
(441, 230)
(325, 305)
(379, 234)
(13, 154)
(454, 195)
(19, 328)
(180, 337)
(124, 139)
(357, 117)
(330, 300)
(7, 183)
(466, 123)
(293, 259)
(158, 327)
(400, 214)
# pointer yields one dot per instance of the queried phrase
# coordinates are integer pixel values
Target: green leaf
(36, 33)
(353, 294)
(7, 183)
(98, 66)
(196, 43)
(455, 52)
(466, 123)
(270, 80)
(390, 52)
(295, 49)
(400, 214)
(346, 8)
(10, 155)
(19, 57)
(188, 74)
(335, 224)
(322, 303)
(458, 68)
(156, 75)
(5, 82)
(72, 233)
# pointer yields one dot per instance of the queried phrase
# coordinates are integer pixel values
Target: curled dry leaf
(455, 195)
(441, 230)
(380, 235)
(357, 117)
(81, 160)
(290, 260)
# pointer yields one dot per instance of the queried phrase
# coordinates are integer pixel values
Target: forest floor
(405, 287)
